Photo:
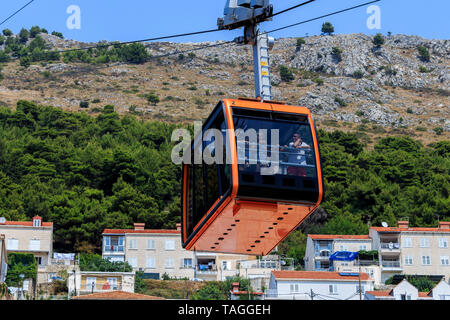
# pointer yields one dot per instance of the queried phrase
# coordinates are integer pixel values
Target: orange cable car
(266, 185)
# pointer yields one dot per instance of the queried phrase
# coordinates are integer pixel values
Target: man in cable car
(296, 155)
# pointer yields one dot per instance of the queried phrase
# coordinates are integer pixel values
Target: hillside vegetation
(86, 173)
(387, 85)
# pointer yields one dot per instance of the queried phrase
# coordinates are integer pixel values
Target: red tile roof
(317, 275)
(338, 236)
(424, 294)
(380, 293)
(25, 223)
(116, 295)
(418, 229)
(155, 231)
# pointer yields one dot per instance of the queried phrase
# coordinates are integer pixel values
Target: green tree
(327, 28)
(34, 31)
(24, 34)
(95, 262)
(337, 52)
(424, 54)
(213, 290)
(378, 40)
(286, 74)
(20, 264)
(7, 32)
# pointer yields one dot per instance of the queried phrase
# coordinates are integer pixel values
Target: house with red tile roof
(406, 291)
(401, 250)
(35, 236)
(153, 251)
(319, 248)
(318, 285)
(413, 250)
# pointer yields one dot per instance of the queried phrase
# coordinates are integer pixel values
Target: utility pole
(359, 278)
(248, 14)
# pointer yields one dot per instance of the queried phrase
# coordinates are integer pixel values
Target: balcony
(391, 266)
(390, 246)
(113, 249)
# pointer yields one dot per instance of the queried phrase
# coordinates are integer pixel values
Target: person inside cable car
(296, 155)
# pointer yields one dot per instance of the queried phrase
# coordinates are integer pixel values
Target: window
(150, 262)
(363, 247)
(169, 263)
(294, 287)
(39, 261)
(275, 154)
(170, 245)
(112, 283)
(36, 222)
(34, 245)
(132, 244)
(208, 180)
(408, 260)
(114, 244)
(426, 260)
(332, 288)
(187, 263)
(226, 265)
(13, 244)
(444, 261)
(407, 243)
(151, 244)
(342, 248)
(424, 243)
(443, 243)
(357, 289)
(91, 283)
(133, 262)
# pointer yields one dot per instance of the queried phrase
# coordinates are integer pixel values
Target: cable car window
(209, 180)
(275, 156)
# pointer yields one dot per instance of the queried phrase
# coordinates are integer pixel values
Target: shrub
(34, 31)
(327, 28)
(25, 61)
(24, 35)
(340, 101)
(319, 81)
(152, 98)
(423, 69)
(378, 40)
(7, 32)
(358, 74)
(3, 56)
(58, 34)
(300, 42)
(337, 52)
(286, 74)
(84, 104)
(424, 54)
(438, 130)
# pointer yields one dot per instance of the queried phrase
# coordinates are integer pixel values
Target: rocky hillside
(348, 82)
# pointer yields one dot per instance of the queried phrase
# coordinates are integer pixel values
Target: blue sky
(139, 19)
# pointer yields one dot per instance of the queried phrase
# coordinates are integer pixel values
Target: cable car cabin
(250, 181)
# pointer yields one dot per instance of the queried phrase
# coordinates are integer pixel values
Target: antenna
(384, 224)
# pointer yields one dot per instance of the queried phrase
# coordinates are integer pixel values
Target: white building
(319, 248)
(401, 250)
(318, 285)
(412, 250)
(406, 291)
(156, 252)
